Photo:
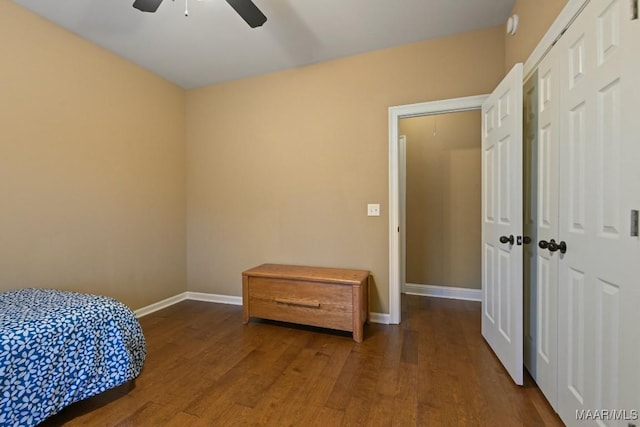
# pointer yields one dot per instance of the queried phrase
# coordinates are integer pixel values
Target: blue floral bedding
(58, 347)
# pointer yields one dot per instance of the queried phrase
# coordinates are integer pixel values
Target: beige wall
(535, 19)
(282, 166)
(443, 199)
(92, 167)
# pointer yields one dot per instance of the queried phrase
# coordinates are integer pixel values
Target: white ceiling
(213, 44)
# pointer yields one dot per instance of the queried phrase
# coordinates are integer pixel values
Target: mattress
(57, 348)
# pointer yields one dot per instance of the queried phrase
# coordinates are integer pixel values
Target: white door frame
(402, 164)
(395, 114)
(564, 19)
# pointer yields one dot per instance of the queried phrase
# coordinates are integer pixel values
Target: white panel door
(598, 278)
(546, 219)
(502, 222)
(630, 177)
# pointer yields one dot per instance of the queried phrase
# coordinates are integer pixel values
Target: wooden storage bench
(326, 297)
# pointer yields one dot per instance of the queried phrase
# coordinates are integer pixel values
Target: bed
(57, 348)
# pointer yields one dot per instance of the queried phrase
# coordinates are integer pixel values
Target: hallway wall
(443, 199)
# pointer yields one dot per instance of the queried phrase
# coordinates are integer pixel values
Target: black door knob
(526, 240)
(563, 247)
(505, 239)
(553, 246)
(543, 244)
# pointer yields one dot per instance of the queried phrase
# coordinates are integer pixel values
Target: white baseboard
(221, 299)
(382, 318)
(443, 292)
(160, 305)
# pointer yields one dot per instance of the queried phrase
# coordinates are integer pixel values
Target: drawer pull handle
(308, 304)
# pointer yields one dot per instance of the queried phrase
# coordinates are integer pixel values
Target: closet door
(546, 219)
(630, 177)
(502, 222)
(596, 274)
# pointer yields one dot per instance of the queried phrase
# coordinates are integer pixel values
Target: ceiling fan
(245, 8)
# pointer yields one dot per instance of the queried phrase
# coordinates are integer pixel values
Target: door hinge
(634, 223)
(634, 10)
(559, 37)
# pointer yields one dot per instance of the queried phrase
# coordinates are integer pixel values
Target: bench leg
(357, 334)
(359, 299)
(245, 299)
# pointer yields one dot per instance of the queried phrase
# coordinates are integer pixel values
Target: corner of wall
(535, 18)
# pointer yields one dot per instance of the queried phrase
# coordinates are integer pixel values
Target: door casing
(395, 114)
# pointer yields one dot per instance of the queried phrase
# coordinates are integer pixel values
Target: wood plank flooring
(205, 368)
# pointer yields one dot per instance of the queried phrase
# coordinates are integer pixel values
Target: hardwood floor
(205, 368)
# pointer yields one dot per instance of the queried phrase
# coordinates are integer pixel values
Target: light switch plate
(373, 209)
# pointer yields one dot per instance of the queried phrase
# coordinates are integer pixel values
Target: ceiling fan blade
(147, 5)
(248, 11)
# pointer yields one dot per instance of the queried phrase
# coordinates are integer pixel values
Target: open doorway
(395, 240)
(440, 201)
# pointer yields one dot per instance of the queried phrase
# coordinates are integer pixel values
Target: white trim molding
(220, 299)
(449, 292)
(381, 318)
(194, 296)
(152, 308)
(561, 23)
(395, 114)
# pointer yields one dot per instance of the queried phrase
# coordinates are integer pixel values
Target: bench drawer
(309, 303)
